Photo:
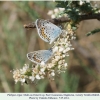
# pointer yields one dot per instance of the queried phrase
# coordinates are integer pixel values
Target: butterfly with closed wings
(47, 30)
(40, 56)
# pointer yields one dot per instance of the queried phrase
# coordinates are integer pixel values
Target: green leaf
(93, 32)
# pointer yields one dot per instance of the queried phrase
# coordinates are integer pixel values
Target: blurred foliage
(15, 42)
(74, 9)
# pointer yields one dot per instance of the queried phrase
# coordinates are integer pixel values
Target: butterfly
(47, 30)
(40, 56)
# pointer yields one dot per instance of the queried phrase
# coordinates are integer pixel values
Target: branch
(55, 21)
(66, 19)
(90, 16)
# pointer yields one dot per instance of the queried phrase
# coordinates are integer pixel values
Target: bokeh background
(83, 73)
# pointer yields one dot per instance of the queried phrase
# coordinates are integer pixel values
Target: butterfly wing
(39, 56)
(47, 30)
(41, 30)
(53, 31)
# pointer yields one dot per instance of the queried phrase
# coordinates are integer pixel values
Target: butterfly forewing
(41, 30)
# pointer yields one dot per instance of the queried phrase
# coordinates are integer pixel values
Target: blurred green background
(83, 73)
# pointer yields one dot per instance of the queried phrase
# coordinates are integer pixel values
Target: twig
(66, 19)
(90, 16)
(55, 21)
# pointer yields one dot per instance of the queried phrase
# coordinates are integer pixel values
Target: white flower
(59, 66)
(37, 77)
(42, 69)
(35, 70)
(53, 16)
(56, 10)
(65, 64)
(66, 40)
(60, 62)
(57, 57)
(50, 65)
(16, 80)
(62, 40)
(73, 38)
(50, 12)
(63, 55)
(61, 49)
(42, 63)
(23, 80)
(32, 78)
(87, 0)
(64, 51)
(16, 75)
(61, 9)
(81, 2)
(52, 73)
(24, 69)
(55, 49)
(53, 61)
(60, 16)
(67, 49)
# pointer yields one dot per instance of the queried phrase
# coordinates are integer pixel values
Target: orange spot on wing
(43, 34)
(37, 60)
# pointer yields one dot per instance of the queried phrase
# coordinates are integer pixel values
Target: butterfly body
(40, 56)
(47, 30)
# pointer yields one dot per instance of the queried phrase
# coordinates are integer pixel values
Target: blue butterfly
(47, 30)
(40, 56)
